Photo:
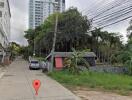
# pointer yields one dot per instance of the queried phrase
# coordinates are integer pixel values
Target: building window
(5, 15)
(0, 13)
(2, 4)
(63, 1)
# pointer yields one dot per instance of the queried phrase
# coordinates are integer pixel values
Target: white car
(34, 64)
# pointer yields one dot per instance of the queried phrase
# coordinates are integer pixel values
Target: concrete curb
(1, 74)
(2, 71)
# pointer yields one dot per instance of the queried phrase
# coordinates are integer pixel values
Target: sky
(19, 18)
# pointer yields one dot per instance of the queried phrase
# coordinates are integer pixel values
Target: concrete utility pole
(54, 40)
(34, 53)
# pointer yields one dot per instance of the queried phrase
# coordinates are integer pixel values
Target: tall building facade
(39, 10)
(61, 5)
(5, 16)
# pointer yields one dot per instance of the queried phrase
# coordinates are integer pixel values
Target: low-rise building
(60, 57)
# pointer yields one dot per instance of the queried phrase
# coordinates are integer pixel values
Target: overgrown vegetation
(74, 60)
(73, 32)
(15, 50)
(125, 55)
(104, 81)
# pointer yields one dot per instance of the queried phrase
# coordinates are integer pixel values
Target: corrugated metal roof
(69, 54)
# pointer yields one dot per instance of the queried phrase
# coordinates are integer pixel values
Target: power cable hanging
(91, 11)
(95, 5)
(119, 15)
(115, 17)
(110, 8)
(98, 8)
(116, 22)
(113, 13)
(113, 5)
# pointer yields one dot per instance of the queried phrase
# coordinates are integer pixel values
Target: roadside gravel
(98, 95)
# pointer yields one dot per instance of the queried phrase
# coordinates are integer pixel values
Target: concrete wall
(6, 60)
(118, 70)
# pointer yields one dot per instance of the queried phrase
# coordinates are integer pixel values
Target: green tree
(73, 32)
(72, 27)
(129, 30)
(15, 49)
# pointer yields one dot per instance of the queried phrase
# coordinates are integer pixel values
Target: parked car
(34, 64)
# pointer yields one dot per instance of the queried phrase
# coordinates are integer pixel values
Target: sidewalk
(16, 84)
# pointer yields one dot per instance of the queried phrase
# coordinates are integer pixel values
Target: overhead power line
(97, 8)
(116, 22)
(112, 7)
(109, 15)
(110, 18)
(99, 2)
(113, 13)
(104, 5)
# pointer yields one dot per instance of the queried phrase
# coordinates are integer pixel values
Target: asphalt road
(16, 84)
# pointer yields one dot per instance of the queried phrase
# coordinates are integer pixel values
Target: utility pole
(34, 53)
(54, 40)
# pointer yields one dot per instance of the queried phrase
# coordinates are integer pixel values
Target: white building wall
(5, 22)
(39, 10)
(61, 4)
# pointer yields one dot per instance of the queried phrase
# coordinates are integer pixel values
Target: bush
(74, 60)
(129, 65)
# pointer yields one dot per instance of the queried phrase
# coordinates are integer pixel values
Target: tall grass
(95, 80)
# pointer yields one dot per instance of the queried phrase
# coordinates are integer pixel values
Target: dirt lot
(97, 95)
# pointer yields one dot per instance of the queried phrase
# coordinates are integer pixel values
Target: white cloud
(19, 21)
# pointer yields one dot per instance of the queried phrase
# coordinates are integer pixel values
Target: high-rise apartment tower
(39, 10)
